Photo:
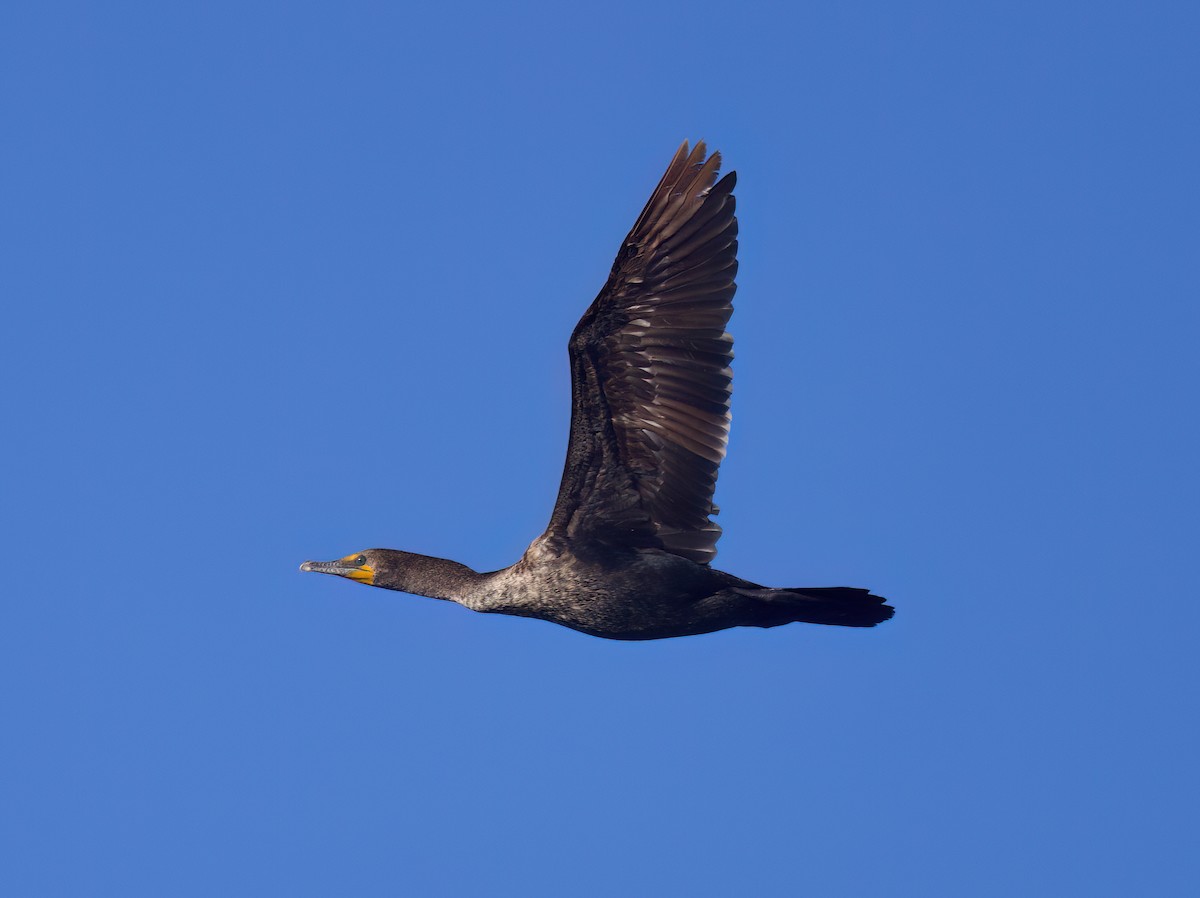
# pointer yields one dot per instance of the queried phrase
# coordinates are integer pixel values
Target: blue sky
(286, 281)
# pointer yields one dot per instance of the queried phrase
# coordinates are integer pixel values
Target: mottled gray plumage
(626, 554)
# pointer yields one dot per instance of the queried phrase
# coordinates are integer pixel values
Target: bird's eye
(360, 560)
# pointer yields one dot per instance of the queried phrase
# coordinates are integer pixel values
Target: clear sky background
(289, 280)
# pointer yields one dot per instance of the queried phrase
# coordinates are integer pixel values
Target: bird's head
(402, 571)
(361, 567)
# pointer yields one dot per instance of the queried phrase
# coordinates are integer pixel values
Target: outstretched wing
(650, 374)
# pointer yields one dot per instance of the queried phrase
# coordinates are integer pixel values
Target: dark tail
(841, 606)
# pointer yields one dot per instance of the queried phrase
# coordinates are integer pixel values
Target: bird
(628, 551)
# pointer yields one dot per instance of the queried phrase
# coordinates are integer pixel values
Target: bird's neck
(424, 575)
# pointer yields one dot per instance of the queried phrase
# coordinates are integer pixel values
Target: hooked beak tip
(307, 566)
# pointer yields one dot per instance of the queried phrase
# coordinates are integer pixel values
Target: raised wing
(650, 374)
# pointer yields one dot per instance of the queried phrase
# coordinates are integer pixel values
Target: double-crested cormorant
(627, 551)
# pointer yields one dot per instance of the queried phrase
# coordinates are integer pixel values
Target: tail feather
(841, 606)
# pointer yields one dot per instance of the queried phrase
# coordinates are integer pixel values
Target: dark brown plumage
(626, 554)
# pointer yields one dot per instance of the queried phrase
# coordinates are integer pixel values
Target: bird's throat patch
(362, 574)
